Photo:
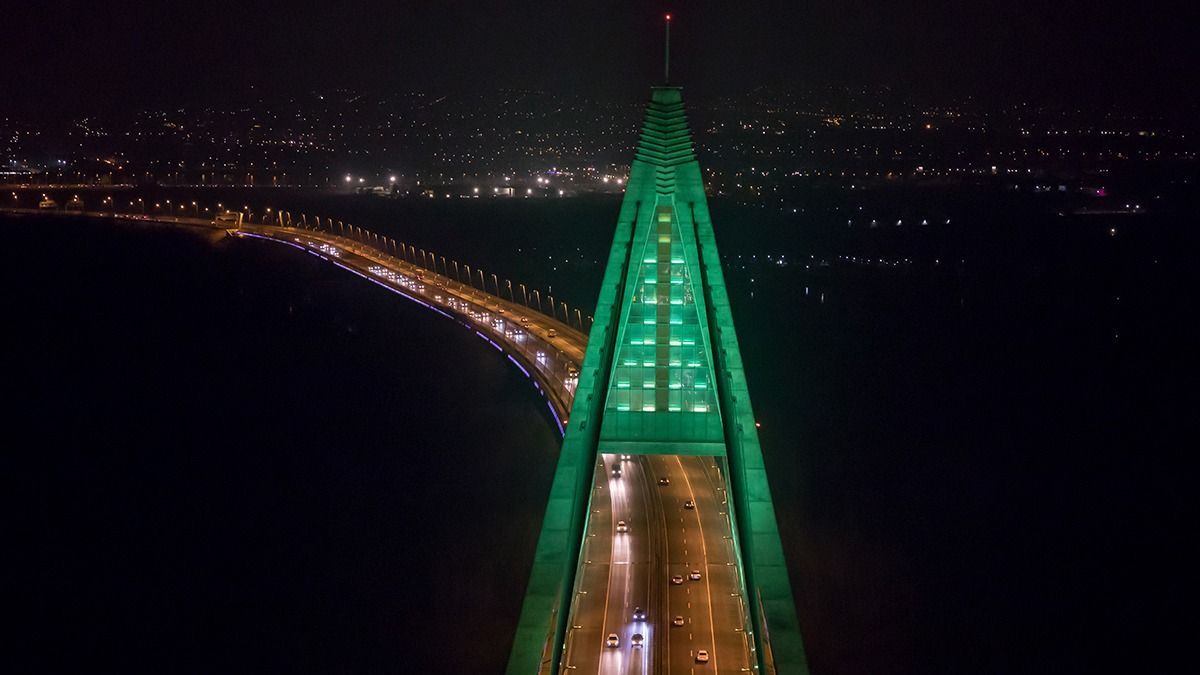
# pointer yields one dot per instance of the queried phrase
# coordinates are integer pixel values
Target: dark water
(977, 452)
(241, 459)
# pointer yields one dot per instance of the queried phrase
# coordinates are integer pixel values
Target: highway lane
(600, 549)
(621, 571)
(700, 540)
(614, 568)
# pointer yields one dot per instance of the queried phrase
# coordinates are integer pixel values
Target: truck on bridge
(230, 220)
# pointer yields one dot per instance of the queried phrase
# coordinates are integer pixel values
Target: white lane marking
(608, 587)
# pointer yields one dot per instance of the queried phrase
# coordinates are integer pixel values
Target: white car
(701, 656)
(677, 621)
(612, 641)
(677, 579)
(621, 526)
(695, 575)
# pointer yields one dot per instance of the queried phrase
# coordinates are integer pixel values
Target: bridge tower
(662, 374)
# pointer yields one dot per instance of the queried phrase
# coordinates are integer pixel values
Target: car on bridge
(616, 470)
(689, 504)
(637, 640)
(552, 333)
(621, 526)
(665, 480)
(677, 621)
(695, 575)
(639, 614)
(677, 579)
(701, 656)
(612, 641)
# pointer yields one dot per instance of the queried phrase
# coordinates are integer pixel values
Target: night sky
(76, 57)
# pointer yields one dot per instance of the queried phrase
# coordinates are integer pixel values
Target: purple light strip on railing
(518, 364)
(557, 423)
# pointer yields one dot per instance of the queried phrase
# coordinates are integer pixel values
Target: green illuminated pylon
(662, 375)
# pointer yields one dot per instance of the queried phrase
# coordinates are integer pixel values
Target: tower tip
(667, 51)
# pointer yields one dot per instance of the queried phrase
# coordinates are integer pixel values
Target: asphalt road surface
(624, 571)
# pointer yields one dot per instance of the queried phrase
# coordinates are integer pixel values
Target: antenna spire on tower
(667, 54)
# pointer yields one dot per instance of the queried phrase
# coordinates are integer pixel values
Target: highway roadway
(621, 572)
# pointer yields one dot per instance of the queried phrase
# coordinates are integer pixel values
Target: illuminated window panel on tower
(661, 346)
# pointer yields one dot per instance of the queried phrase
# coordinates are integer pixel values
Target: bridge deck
(623, 571)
